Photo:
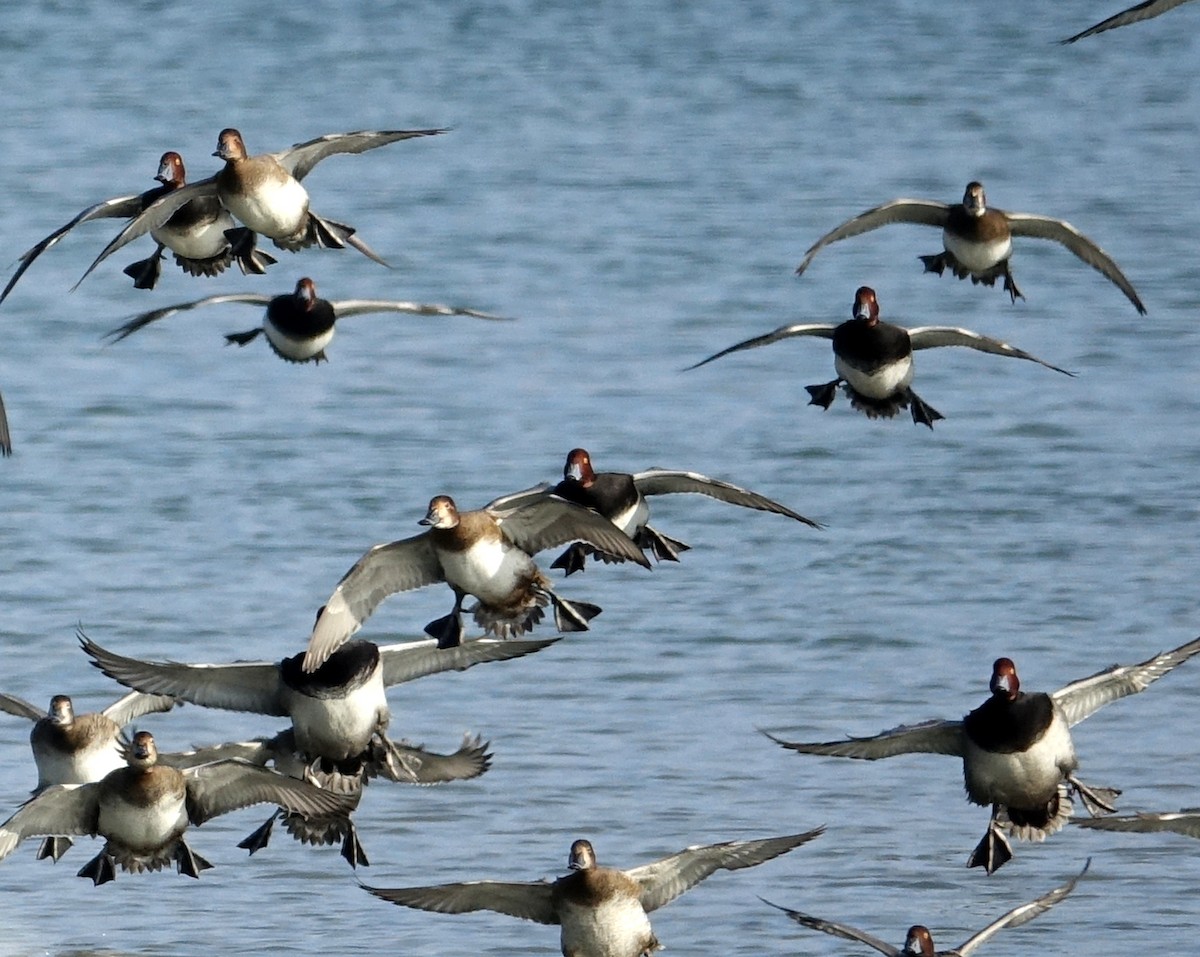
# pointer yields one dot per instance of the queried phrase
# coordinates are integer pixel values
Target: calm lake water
(635, 184)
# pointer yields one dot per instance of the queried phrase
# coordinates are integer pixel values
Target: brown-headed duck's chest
(86, 733)
(989, 227)
(595, 886)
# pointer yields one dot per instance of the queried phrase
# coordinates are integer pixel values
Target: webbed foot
(257, 839)
(188, 861)
(101, 869)
(922, 412)
(54, 847)
(145, 272)
(663, 547)
(992, 852)
(823, 395)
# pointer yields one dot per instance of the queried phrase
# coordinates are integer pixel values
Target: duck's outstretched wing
(928, 737)
(132, 706)
(1020, 915)
(355, 307)
(144, 319)
(664, 880)
(1056, 230)
(384, 570)
(119, 207)
(21, 708)
(925, 212)
(5, 438)
(223, 786)
(300, 158)
(532, 900)
(1138, 12)
(844, 931)
(549, 521)
(61, 809)
(1082, 698)
(153, 216)
(823, 330)
(1185, 822)
(931, 337)
(669, 481)
(253, 686)
(415, 659)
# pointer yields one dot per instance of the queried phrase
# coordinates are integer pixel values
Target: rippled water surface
(634, 183)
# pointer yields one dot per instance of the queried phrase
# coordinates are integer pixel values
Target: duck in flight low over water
(339, 713)
(195, 232)
(297, 325)
(977, 239)
(601, 910)
(70, 748)
(486, 553)
(1016, 749)
(874, 359)
(621, 498)
(264, 193)
(919, 942)
(142, 810)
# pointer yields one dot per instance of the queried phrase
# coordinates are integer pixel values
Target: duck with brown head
(265, 194)
(602, 910)
(485, 553)
(977, 239)
(143, 809)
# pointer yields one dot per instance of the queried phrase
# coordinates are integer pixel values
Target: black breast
(288, 315)
(1005, 727)
(347, 669)
(868, 347)
(611, 493)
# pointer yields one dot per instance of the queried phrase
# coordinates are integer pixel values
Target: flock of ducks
(94, 779)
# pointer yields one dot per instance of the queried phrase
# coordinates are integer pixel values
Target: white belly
(298, 350)
(142, 829)
(1024, 779)
(493, 571)
(883, 383)
(339, 728)
(200, 241)
(82, 767)
(277, 210)
(633, 518)
(977, 257)
(617, 928)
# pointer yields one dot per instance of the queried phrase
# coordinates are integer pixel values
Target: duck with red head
(195, 232)
(919, 942)
(1016, 749)
(874, 359)
(264, 192)
(621, 498)
(299, 324)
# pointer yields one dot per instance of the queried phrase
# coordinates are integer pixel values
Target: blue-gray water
(635, 183)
